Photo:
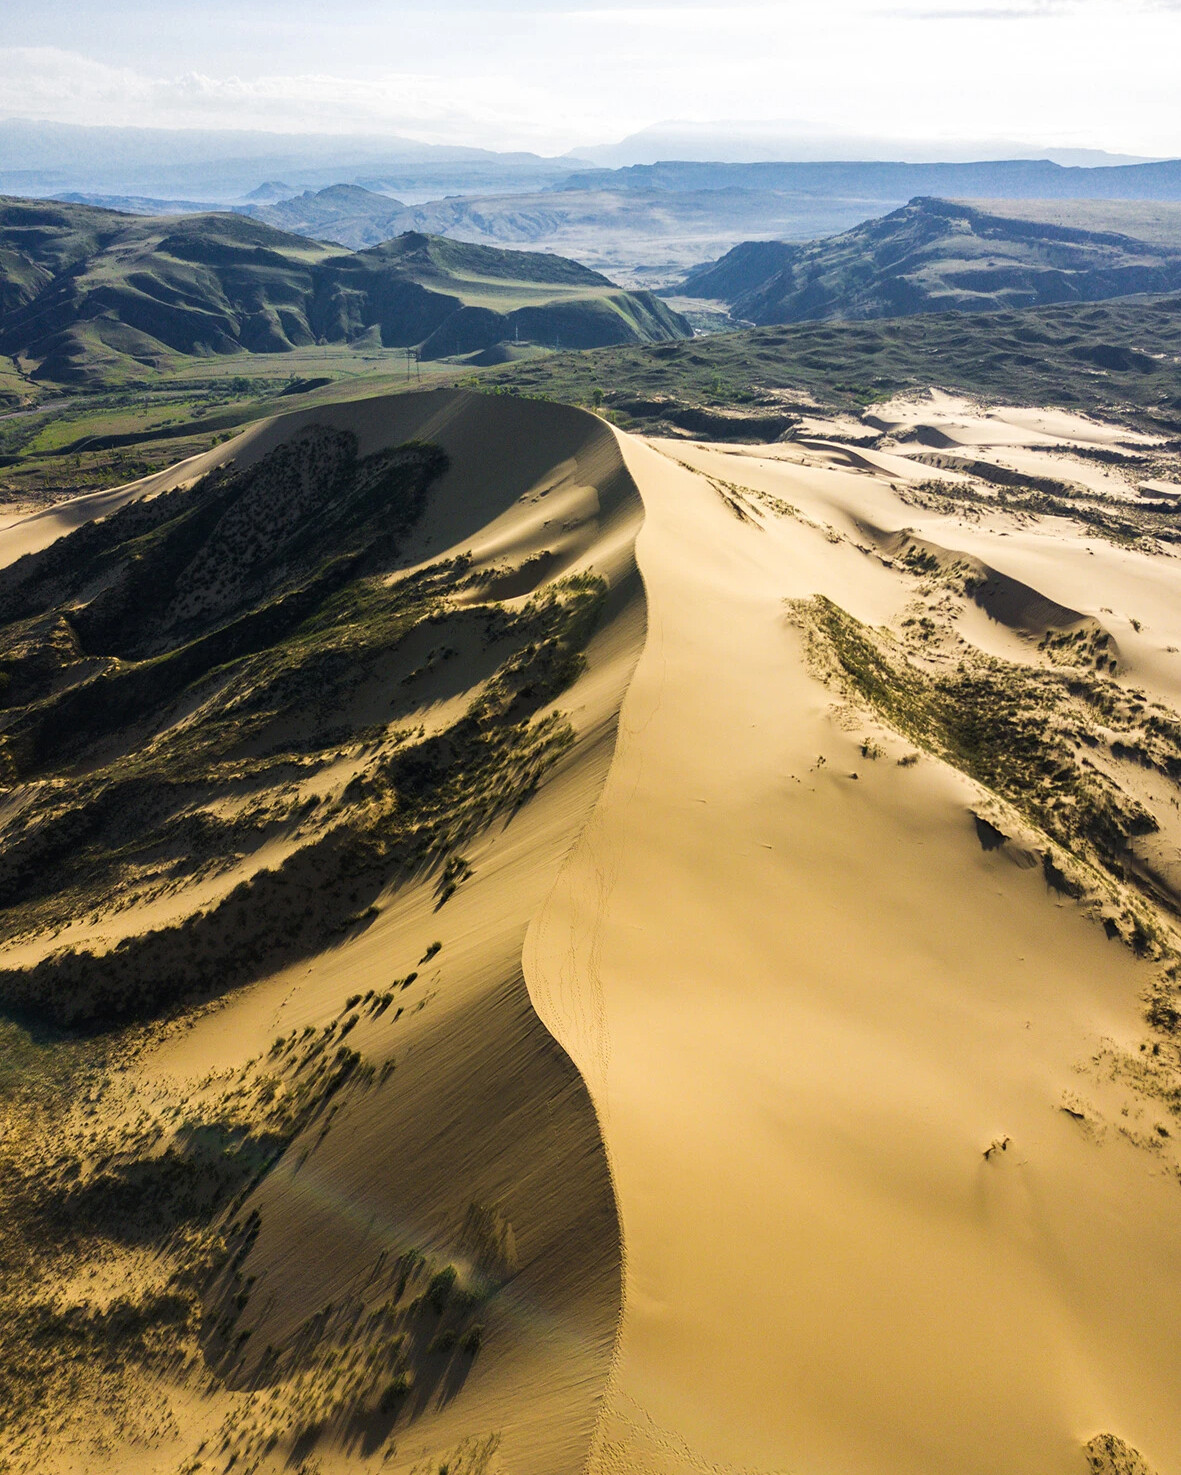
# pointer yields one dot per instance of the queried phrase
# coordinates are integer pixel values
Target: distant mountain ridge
(348, 213)
(89, 294)
(41, 158)
(651, 222)
(740, 141)
(933, 256)
(1014, 179)
(643, 225)
(610, 230)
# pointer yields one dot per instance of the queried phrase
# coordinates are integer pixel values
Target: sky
(550, 75)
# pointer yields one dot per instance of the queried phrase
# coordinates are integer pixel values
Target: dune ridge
(359, 1211)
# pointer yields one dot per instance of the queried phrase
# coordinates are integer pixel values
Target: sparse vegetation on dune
(156, 663)
(1048, 741)
(237, 718)
(1119, 520)
(124, 1236)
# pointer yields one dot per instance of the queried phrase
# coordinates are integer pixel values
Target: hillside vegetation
(934, 256)
(1120, 358)
(89, 295)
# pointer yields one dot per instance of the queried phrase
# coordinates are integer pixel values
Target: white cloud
(45, 83)
(1087, 73)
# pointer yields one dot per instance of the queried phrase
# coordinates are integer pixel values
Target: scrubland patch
(125, 1231)
(185, 678)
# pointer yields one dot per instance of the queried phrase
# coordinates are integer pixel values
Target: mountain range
(644, 236)
(933, 256)
(737, 142)
(1013, 179)
(644, 225)
(88, 294)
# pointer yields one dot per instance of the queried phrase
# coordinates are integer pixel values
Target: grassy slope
(1155, 221)
(92, 297)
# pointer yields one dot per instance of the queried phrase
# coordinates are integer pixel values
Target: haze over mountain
(224, 165)
(748, 143)
(1014, 179)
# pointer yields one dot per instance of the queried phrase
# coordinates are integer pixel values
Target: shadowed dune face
(286, 681)
(375, 660)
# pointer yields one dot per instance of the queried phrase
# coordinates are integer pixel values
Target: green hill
(90, 296)
(935, 256)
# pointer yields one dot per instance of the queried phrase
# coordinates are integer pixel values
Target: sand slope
(483, 1120)
(807, 1002)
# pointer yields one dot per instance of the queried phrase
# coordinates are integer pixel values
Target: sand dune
(484, 1119)
(807, 1002)
(795, 1085)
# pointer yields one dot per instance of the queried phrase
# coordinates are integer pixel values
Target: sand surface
(806, 1003)
(811, 1111)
